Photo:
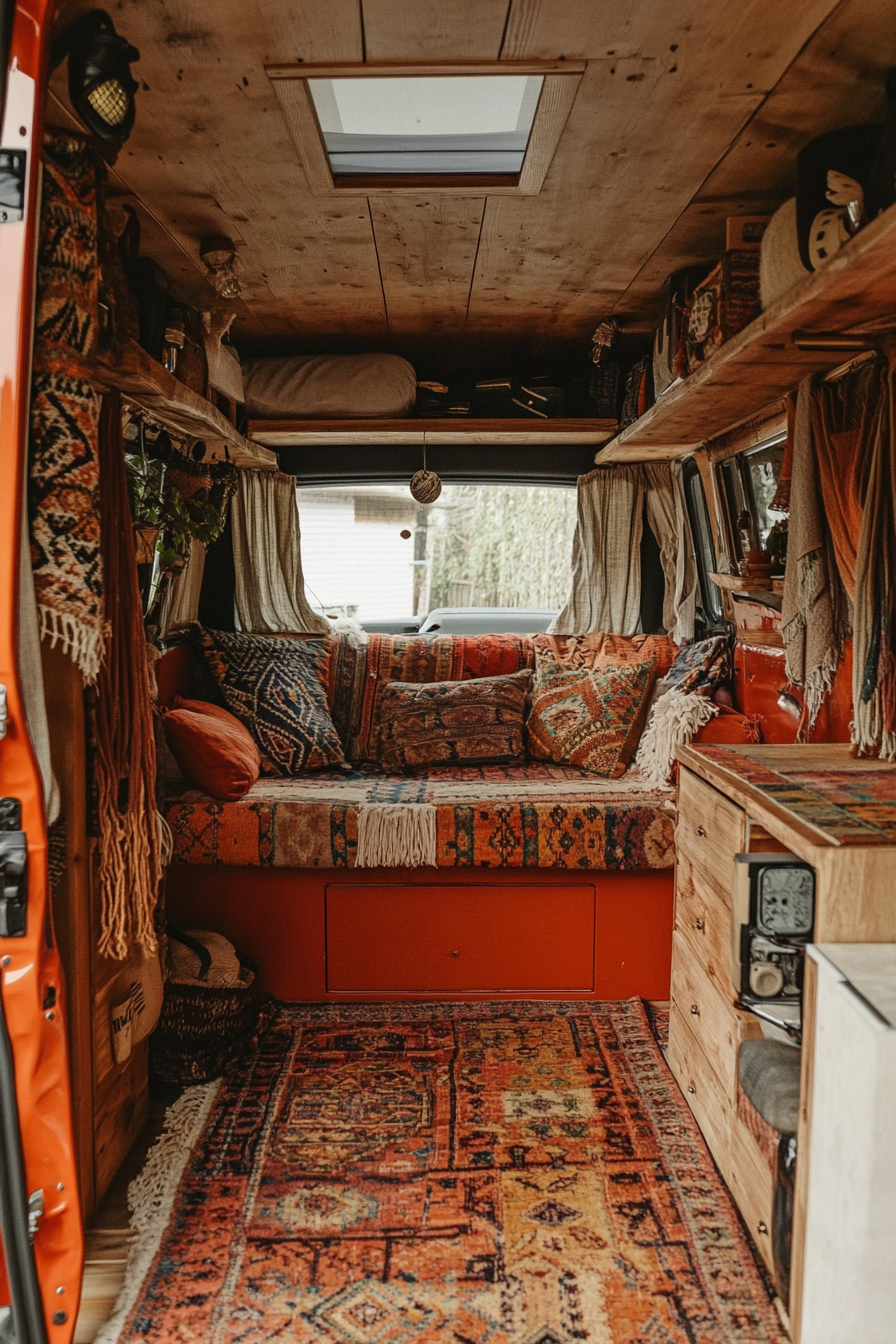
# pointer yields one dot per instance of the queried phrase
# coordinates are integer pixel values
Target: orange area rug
(504, 1173)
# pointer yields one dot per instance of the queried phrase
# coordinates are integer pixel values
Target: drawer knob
(701, 831)
(454, 952)
(761, 1227)
(695, 1011)
(699, 925)
(691, 1088)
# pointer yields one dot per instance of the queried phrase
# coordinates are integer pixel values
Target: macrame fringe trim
(151, 1196)
(84, 644)
(396, 835)
(869, 736)
(675, 718)
(133, 852)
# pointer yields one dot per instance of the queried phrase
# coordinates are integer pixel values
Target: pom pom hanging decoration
(426, 486)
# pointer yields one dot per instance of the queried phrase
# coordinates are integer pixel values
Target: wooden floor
(108, 1237)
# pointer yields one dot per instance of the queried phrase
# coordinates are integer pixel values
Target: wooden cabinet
(744, 799)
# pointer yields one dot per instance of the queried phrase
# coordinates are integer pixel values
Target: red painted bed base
(370, 935)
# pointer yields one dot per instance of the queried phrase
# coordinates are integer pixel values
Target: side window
(750, 481)
(704, 551)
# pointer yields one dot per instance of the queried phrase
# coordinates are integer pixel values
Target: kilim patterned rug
(505, 1173)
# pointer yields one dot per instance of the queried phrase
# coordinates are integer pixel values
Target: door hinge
(13, 883)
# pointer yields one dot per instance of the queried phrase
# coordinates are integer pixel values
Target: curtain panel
(267, 553)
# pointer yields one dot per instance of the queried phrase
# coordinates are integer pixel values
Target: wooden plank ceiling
(687, 112)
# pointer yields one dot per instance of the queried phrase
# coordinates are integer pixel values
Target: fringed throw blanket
(131, 832)
(64, 470)
(874, 646)
(815, 609)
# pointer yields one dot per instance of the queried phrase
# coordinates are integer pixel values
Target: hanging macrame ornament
(426, 486)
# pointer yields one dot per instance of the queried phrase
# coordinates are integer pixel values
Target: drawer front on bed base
(488, 939)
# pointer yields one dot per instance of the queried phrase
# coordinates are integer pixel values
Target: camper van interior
(447, 672)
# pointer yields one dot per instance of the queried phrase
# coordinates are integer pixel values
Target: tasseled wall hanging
(132, 847)
(64, 472)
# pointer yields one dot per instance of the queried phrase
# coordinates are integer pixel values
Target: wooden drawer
(751, 1182)
(700, 1085)
(735, 1151)
(465, 939)
(710, 830)
(703, 917)
(713, 1021)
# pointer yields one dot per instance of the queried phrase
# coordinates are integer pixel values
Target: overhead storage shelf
(408, 430)
(139, 378)
(855, 291)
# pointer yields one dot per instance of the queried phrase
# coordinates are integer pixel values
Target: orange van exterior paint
(37, 1032)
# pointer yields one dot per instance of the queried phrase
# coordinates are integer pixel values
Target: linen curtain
(606, 554)
(270, 587)
(181, 607)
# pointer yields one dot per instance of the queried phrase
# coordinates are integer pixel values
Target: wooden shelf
(138, 377)
(855, 291)
(408, 430)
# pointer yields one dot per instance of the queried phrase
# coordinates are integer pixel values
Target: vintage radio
(773, 913)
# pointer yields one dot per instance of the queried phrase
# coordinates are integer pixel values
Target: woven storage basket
(205, 1027)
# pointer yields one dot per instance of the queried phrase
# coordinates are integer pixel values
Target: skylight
(433, 124)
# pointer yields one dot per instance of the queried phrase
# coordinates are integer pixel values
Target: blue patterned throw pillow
(276, 688)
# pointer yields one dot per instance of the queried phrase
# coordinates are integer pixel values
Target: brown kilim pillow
(478, 722)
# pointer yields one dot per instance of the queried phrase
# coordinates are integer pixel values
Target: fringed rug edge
(151, 1197)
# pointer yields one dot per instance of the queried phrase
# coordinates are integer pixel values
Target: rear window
(372, 553)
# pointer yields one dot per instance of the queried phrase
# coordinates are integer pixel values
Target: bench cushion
(538, 815)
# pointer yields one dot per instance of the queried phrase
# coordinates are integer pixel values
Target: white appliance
(849, 1282)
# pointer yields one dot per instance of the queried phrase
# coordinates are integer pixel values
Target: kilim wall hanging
(64, 469)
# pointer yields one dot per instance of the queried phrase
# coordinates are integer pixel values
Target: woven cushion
(477, 722)
(276, 688)
(214, 751)
(590, 719)
(602, 650)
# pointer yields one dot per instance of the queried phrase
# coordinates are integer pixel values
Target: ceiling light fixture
(100, 84)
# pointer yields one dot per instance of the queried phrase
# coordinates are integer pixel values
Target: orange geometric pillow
(589, 719)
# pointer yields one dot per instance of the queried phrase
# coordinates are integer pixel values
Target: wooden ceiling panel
(838, 80)
(687, 113)
(646, 132)
(210, 153)
(427, 251)
(434, 30)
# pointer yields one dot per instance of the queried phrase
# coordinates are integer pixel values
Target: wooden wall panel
(427, 251)
(434, 30)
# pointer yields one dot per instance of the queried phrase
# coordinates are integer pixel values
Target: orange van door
(41, 1256)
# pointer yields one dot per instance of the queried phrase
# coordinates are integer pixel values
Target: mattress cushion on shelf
(329, 387)
(538, 815)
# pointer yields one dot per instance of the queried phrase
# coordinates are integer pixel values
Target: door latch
(35, 1212)
(13, 884)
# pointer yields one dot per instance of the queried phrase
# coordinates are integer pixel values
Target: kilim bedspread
(531, 816)
(488, 1174)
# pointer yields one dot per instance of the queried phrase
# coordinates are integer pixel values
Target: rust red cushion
(729, 727)
(214, 751)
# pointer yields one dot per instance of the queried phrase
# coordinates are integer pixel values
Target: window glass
(373, 553)
(704, 551)
(750, 481)
(426, 124)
